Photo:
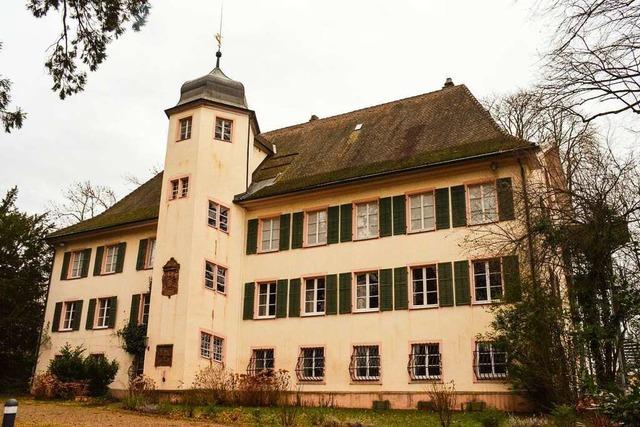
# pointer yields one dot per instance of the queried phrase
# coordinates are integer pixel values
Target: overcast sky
(295, 58)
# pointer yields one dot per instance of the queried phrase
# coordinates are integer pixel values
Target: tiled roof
(140, 205)
(423, 130)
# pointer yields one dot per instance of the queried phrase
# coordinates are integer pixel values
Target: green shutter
(65, 265)
(512, 284)
(458, 206)
(76, 321)
(142, 254)
(399, 214)
(386, 289)
(386, 220)
(505, 199)
(122, 249)
(281, 298)
(252, 236)
(113, 311)
(57, 311)
(346, 219)
(249, 291)
(332, 294)
(285, 231)
(135, 310)
(461, 274)
(445, 284)
(85, 264)
(345, 293)
(442, 208)
(97, 264)
(294, 298)
(297, 230)
(400, 288)
(91, 313)
(333, 224)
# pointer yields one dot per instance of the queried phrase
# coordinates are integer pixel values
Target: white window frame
(424, 288)
(315, 296)
(205, 345)
(184, 187)
(225, 127)
(487, 215)
(76, 264)
(368, 295)
(267, 289)
(215, 277)
(427, 366)
(493, 375)
(487, 277)
(424, 211)
(175, 189)
(150, 253)
(369, 214)
(69, 314)
(185, 125)
(145, 301)
(218, 216)
(102, 313)
(263, 359)
(274, 234)
(368, 357)
(314, 235)
(110, 262)
(217, 349)
(317, 361)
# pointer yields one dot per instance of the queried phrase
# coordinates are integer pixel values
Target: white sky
(295, 58)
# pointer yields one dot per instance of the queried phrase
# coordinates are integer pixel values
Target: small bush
(99, 374)
(443, 397)
(623, 407)
(133, 402)
(527, 422)
(489, 418)
(69, 365)
(564, 416)
(45, 386)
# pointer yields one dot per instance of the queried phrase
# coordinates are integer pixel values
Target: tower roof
(215, 87)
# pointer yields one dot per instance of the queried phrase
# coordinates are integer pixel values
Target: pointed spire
(219, 38)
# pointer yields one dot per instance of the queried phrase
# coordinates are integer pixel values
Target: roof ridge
(335, 116)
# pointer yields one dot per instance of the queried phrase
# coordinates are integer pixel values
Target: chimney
(448, 83)
(313, 117)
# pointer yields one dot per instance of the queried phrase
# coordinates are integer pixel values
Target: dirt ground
(54, 414)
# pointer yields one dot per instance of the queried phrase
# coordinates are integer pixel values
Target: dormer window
(223, 129)
(185, 129)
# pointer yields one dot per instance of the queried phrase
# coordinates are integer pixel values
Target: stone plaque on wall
(170, 275)
(164, 355)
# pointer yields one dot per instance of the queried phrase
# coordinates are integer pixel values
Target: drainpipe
(527, 213)
(248, 145)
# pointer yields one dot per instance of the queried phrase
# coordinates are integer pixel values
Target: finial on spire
(219, 38)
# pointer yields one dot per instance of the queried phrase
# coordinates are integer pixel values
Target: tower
(196, 287)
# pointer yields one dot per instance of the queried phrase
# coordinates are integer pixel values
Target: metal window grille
(261, 361)
(365, 363)
(310, 366)
(425, 362)
(490, 361)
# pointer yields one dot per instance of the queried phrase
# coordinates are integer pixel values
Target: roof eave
(52, 240)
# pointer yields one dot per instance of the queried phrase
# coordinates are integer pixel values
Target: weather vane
(219, 39)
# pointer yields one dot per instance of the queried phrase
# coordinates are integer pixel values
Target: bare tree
(82, 201)
(594, 66)
(137, 181)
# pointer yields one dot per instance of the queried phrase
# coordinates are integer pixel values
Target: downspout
(527, 213)
(246, 177)
(46, 301)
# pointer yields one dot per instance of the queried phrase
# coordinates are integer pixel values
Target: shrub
(489, 418)
(623, 407)
(69, 365)
(443, 397)
(527, 422)
(564, 416)
(216, 384)
(99, 374)
(48, 386)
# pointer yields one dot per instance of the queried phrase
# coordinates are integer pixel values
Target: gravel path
(53, 414)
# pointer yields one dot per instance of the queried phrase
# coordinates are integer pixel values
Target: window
(425, 286)
(175, 188)
(145, 302)
(487, 278)
(215, 277)
(218, 216)
(150, 254)
(76, 264)
(367, 220)
(205, 345)
(310, 366)
(185, 128)
(424, 362)
(110, 259)
(70, 313)
(223, 129)
(317, 228)
(218, 345)
(367, 291)
(267, 299)
(270, 234)
(483, 203)
(184, 182)
(102, 318)
(314, 295)
(490, 361)
(422, 212)
(365, 363)
(261, 361)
